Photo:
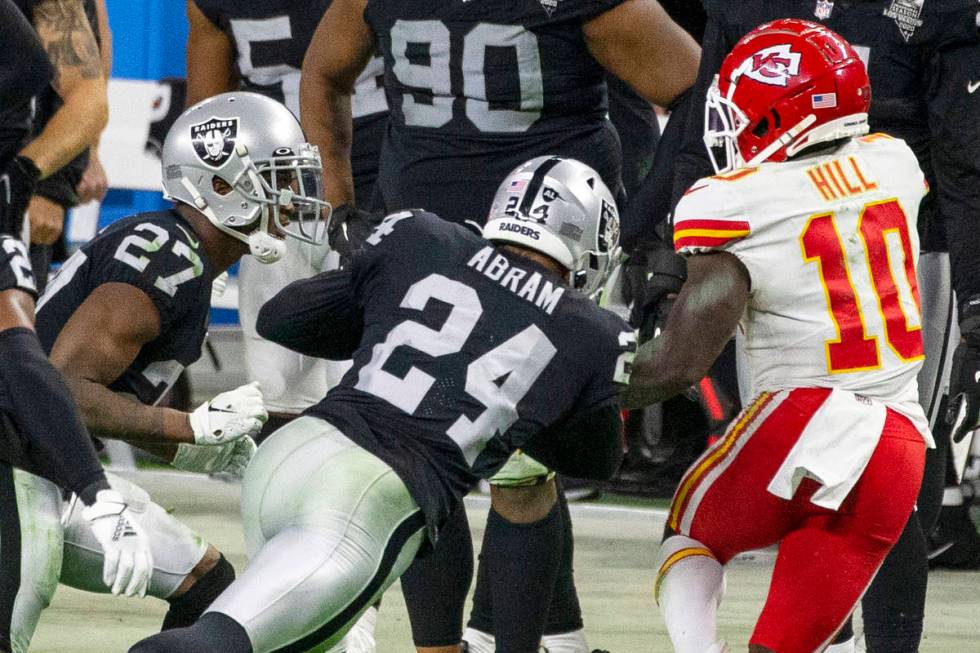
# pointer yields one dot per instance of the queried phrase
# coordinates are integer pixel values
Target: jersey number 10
(854, 349)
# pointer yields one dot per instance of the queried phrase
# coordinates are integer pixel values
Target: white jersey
(831, 247)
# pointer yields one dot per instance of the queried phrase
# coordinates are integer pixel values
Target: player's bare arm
(125, 319)
(16, 310)
(702, 320)
(71, 47)
(340, 49)
(639, 43)
(210, 58)
(94, 184)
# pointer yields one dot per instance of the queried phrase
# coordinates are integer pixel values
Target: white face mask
(723, 122)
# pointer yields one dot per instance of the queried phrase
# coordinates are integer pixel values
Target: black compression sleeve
(652, 202)
(57, 446)
(589, 446)
(315, 317)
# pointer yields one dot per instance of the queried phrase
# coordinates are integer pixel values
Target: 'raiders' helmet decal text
(214, 140)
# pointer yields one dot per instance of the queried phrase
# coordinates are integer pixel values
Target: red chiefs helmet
(785, 86)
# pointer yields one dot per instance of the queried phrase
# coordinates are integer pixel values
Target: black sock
(523, 562)
(435, 585)
(564, 613)
(213, 632)
(185, 609)
(894, 604)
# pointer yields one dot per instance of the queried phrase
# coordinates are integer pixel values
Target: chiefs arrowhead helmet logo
(773, 65)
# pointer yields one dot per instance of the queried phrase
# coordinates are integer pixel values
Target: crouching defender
(465, 350)
(129, 311)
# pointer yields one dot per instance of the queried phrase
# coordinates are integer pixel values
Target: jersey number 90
(433, 79)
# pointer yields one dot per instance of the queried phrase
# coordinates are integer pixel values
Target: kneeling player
(807, 241)
(464, 350)
(129, 311)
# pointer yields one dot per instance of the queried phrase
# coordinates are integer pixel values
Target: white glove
(231, 458)
(219, 285)
(128, 563)
(229, 416)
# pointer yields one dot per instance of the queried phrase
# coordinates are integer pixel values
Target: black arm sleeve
(588, 446)
(955, 144)
(317, 317)
(649, 207)
(53, 442)
(24, 72)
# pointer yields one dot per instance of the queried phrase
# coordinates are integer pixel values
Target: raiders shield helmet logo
(214, 140)
(608, 227)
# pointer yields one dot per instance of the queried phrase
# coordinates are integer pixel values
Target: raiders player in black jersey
(904, 44)
(40, 433)
(259, 47)
(474, 89)
(240, 172)
(465, 350)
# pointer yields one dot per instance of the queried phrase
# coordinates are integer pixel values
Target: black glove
(16, 189)
(349, 228)
(662, 274)
(963, 412)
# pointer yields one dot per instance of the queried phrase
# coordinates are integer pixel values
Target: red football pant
(826, 558)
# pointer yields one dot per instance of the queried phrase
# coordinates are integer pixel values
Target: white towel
(833, 449)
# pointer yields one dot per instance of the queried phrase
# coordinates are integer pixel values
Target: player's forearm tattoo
(67, 36)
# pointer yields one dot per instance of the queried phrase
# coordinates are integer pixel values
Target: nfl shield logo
(214, 140)
(608, 227)
(823, 9)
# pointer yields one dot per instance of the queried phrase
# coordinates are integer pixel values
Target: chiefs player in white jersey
(806, 241)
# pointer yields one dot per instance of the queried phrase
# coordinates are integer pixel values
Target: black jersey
(898, 41)
(24, 72)
(467, 353)
(477, 88)
(270, 40)
(158, 253)
(15, 267)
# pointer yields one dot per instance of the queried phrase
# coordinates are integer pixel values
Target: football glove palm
(229, 416)
(127, 561)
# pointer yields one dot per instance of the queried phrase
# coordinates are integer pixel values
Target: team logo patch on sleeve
(214, 140)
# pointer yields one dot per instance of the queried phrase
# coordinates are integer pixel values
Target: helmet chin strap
(265, 247)
(782, 141)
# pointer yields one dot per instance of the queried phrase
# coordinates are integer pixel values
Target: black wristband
(20, 180)
(91, 490)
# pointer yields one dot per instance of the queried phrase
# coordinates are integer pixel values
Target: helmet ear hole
(220, 186)
(761, 128)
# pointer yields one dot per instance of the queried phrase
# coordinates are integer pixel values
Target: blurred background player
(904, 45)
(240, 173)
(339, 502)
(39, 426)
(259, 47)
(70, 115)
(806, 223)
(474, 90)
